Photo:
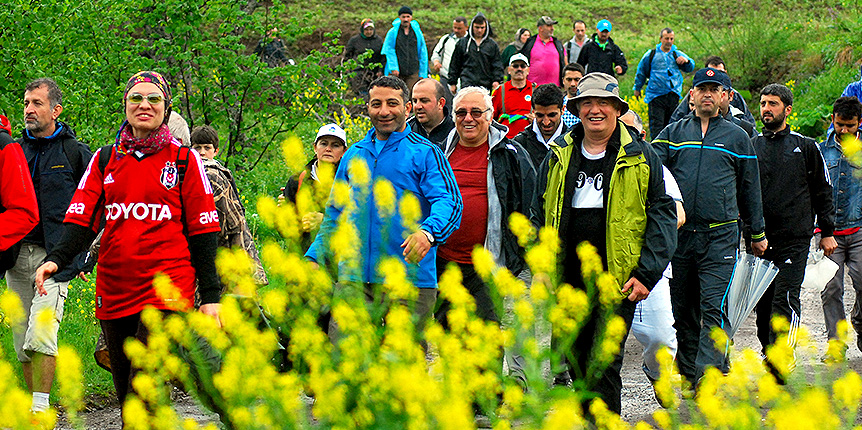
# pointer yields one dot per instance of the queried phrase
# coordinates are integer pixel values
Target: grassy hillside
(780, 41)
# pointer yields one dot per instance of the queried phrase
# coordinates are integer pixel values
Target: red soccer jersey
(470, 166)
(144, 226)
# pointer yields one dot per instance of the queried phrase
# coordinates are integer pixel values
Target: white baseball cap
(332, 130)
(519, 57)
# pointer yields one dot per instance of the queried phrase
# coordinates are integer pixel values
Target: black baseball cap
(708, 75)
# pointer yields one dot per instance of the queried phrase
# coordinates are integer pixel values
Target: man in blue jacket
(405, 50)
(413, 165)
(847, 197)
(661, 70)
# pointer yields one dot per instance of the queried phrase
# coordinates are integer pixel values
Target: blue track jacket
(665, 75)
(412, 164)
(389, 48)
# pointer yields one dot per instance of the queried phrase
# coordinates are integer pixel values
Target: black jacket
(357, 45)
(535, 148)
(56, 173)
(794, 185)
(514, 180)
(596, 59)
(476, 65)
(717, 173)
(528, 47)
(439, 134)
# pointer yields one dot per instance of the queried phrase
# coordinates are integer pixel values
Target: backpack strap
(182, 165)
(70, 148)
(649, 62)
(301, 177)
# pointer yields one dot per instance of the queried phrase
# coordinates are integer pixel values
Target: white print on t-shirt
(588, 190)
(139, 211)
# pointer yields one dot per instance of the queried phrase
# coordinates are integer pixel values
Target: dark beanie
(405, 9)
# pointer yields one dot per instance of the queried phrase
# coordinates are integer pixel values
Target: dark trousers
(702, 267)
(485, 307)
(608, 384)
(660, 110)
(782, 296)
(116, 332)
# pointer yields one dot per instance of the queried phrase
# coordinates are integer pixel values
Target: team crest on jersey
(169, 176)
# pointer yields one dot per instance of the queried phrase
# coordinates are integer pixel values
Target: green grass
(79, 329)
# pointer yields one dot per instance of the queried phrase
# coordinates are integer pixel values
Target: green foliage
(202, 47)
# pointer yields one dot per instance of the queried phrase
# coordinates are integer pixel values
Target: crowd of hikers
(538, 129)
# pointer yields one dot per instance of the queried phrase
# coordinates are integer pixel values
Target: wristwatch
(429, 236)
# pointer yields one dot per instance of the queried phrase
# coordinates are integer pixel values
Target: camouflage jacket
(231, 215)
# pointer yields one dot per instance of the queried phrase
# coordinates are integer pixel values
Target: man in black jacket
(57, 161)
(601, 54)
(716, 168)
(795, 187)
(431, 118)
(547, 125)
(476, 60)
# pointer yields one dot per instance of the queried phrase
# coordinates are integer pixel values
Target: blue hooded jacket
(412, 164)
(665, 75)
(389, 48)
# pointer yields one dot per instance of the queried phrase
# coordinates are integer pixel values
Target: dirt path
(637, 399)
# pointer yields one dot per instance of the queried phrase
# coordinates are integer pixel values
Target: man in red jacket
(18, 210)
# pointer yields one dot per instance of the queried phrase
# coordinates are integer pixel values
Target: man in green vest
(603, 184)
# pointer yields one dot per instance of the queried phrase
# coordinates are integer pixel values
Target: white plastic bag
(819, 270)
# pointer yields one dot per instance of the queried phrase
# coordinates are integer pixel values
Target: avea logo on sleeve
(209, 217)
(138, 211)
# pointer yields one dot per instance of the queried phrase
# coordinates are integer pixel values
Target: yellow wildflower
(483, 262)
(357, 170)
(522, 228)
(384, 198)
(11, 307)
(847, 391)
(293, 153)
(410, 211)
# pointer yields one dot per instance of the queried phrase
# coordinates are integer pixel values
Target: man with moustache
(431, 118)
(795, 188)
(512, 100)
(714, 164)
(405, 50)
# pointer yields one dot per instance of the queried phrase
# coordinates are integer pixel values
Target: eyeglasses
(519, 66)
(138, 98)
(475, 113)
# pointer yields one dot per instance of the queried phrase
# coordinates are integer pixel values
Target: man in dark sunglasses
(512, 100)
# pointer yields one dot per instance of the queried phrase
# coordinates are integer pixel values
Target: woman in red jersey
(159, 219)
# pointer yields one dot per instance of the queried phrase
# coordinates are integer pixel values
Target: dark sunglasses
(475, 113)
(519, 66)
(138, 98)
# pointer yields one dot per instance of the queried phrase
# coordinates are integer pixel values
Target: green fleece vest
(627, 199)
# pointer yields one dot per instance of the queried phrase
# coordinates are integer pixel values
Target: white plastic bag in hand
(819, 270)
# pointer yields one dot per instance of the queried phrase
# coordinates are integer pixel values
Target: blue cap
(604, 25)
(708, 75)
